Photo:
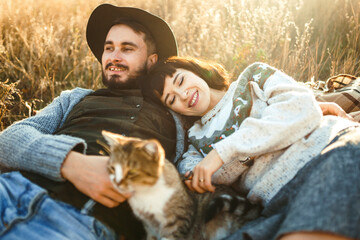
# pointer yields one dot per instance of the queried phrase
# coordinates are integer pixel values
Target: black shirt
(120, 111)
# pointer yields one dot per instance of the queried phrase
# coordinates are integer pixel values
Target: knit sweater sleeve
(189, 160)
(30, 144)
(290, 113)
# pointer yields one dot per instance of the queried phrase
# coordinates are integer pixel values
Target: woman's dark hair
(212, 73)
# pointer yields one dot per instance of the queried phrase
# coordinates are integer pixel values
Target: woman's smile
(194, 99)
(189, 94)
(183, 92)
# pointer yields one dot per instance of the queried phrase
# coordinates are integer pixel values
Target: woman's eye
(181, 80)
(172, 101)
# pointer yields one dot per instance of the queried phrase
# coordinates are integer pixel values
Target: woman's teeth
(193, 100)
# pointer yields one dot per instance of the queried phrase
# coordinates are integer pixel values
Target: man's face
(125, 57)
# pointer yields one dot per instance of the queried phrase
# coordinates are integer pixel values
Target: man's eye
(128, 49)
(108, 48)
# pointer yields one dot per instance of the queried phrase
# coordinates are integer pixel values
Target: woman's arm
(203, 172)
(331, 108)
(290, 114)
(189, 160)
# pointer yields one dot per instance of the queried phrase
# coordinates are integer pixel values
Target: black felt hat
(102, 18)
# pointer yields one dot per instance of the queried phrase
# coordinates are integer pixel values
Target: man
(59, 143)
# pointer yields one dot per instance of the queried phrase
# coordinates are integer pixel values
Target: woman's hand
(330, 108)
(202, 173)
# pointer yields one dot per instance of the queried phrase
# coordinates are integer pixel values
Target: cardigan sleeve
(30, 144)
(290, 113)
(189, 160)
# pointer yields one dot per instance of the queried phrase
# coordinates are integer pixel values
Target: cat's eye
(132, 173)
(111, 169)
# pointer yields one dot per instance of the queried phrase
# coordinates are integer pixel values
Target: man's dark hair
(138, 28)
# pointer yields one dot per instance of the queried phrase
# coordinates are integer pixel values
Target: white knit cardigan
(284, 131)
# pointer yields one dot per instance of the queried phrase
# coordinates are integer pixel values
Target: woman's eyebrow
(175, 78)
(165, 101)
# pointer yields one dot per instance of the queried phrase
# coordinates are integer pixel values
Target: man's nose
(116, 56)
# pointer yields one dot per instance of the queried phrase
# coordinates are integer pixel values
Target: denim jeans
(27, 212)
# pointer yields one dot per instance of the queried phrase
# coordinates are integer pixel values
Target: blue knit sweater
(30, 144)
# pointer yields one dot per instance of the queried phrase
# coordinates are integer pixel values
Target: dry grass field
(43, 48)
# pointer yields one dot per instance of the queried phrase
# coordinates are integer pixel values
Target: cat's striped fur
(162, 201)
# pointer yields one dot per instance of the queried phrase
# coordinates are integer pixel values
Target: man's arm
(30, 144)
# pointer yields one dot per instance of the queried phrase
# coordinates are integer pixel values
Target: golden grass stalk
(43, 48)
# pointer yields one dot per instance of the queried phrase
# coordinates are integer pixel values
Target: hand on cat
(89, 175)
(203, 171)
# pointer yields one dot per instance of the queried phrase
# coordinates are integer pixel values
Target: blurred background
(43, 48)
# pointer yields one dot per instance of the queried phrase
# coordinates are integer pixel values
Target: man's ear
(152, 59)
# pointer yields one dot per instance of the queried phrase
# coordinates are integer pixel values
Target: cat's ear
(112, 138)
(152, 148)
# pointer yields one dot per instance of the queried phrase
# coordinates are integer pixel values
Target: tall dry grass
(43, 48)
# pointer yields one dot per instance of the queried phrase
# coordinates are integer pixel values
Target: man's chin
(116, 82)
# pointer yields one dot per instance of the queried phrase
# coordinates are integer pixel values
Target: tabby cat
(161, 200)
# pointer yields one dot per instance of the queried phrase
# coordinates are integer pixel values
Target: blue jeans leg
(27, 212)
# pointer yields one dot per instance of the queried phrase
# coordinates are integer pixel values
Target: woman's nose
(184, 94)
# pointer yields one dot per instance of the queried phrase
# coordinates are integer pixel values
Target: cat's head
(133, 162)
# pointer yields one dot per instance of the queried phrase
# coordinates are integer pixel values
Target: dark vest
(119, 111)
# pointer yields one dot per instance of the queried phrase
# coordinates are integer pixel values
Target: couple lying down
(265, 135)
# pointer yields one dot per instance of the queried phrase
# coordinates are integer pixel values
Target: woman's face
(186, 93)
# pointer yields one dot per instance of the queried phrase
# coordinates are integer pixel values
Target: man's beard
(132, 82)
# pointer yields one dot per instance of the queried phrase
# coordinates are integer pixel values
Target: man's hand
(89, 175)
(330, 108)
(202, 173)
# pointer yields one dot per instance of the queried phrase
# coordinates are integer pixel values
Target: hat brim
(102, 18)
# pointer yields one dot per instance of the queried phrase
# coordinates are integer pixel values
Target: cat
(161, 200)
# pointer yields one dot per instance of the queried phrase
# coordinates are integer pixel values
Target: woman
(258, 134)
